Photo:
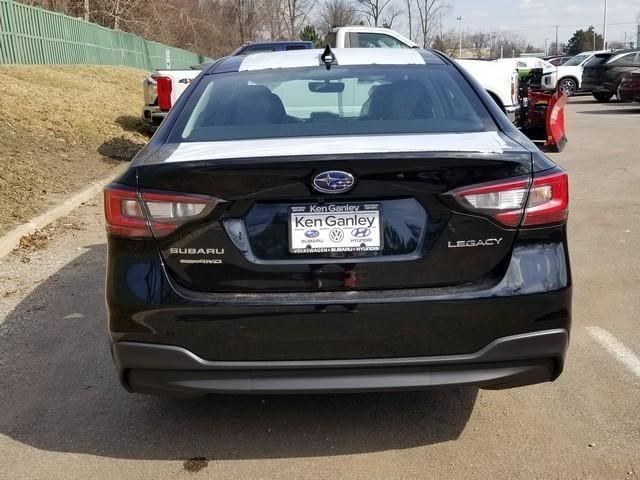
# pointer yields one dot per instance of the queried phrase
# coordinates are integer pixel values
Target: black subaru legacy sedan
(347, 220)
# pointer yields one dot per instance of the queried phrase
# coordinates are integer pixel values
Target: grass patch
(62, 127)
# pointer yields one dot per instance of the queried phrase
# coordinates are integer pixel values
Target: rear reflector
(544, 201)
(130, 214)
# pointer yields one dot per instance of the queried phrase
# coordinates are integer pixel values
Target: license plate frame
(318, 231)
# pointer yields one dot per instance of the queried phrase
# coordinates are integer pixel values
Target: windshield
(577, 60)
(341, 101)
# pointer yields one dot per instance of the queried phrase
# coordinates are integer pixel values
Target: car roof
(276, 42)
(343, 56)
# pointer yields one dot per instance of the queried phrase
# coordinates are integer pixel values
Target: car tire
(568, 86)
(619, 95)
(603, 97)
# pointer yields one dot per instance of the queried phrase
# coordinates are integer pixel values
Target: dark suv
(602, 74)
(353, 220)
(273, 46)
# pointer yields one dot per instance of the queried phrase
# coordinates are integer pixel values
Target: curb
(11, 240)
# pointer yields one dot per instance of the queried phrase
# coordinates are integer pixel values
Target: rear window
(257, 49)
(342, 101)
(577, 60)
(625, 60)
(598, 59)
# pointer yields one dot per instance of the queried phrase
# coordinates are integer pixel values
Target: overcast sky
(535, 19)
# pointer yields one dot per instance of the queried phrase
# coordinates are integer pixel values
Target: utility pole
(604, 27)
(460, 38)
(546, 47)
(86, 10)
(556, 40)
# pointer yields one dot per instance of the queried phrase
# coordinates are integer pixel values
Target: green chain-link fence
(31, 35)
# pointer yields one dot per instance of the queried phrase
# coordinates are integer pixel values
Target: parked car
(275, 46)
(602, 74)
(570, 73)
(338, 220)
(163, 87)
(558, 60)
(630, 86)
(501, 82)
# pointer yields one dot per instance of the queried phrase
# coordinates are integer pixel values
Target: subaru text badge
(333, 181)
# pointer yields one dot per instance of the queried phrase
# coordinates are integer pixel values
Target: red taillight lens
(134, 215)
(548, 200)
(543, 201)
(123, 213)
(163, 90)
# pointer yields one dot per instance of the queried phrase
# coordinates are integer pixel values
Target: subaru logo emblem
(312, 234)
(333, 181)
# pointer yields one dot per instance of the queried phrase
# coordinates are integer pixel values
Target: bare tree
(479, 41)
(428, 12)
(272, 15)
(295, 14)
(511, 45)
(337, 13)
(409, 5)
(390, 17)
(446, 42)
(373, 10)
(245, 13)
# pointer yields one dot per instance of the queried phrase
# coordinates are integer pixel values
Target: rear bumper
(506, 362)
(153, 115)
(628, 95)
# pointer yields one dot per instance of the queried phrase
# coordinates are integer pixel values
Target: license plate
(335, 227)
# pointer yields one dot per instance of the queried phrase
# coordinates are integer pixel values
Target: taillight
(163, 90)
(548, 201)
(130, 214)
(543, 201)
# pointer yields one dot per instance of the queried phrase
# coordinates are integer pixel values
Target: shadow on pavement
(59, 392)
(582, 100)
(120, 148)
(132, 123)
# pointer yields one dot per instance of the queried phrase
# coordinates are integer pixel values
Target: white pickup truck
(164, 86)
(500, 81)
(161, 90)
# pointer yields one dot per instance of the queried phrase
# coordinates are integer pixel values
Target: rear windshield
(577, 60)
(598, 59)
(345, 100)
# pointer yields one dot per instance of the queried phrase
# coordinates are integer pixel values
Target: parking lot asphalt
(63, 414)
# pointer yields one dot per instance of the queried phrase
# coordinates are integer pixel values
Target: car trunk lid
(400, 227)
